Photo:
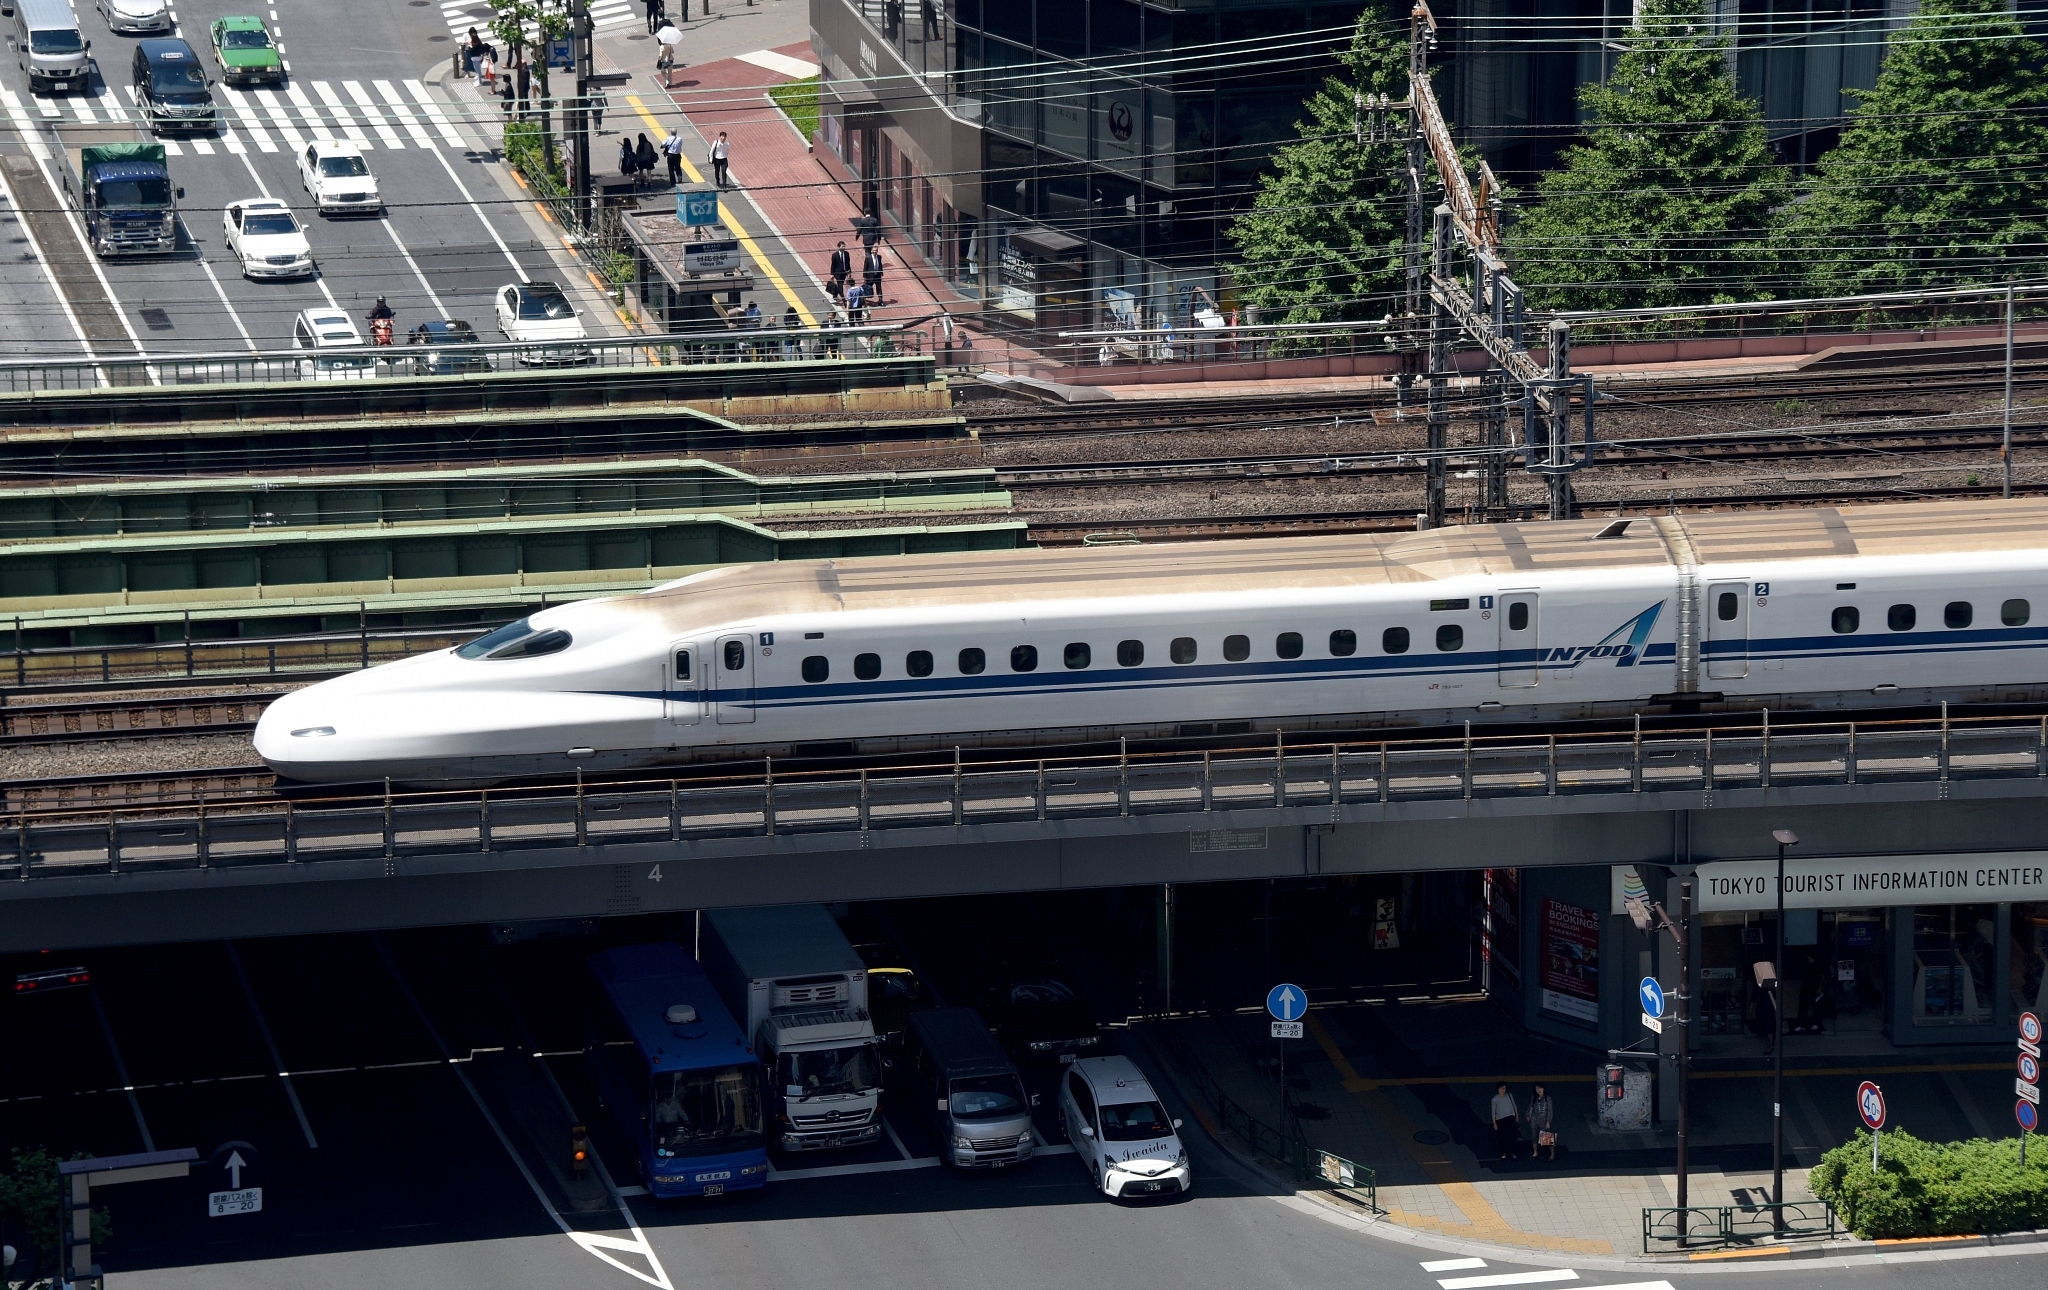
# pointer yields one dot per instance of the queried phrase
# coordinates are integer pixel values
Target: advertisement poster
(1571, 961)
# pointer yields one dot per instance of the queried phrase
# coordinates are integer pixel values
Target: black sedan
(1040, 1019)
(436, 361)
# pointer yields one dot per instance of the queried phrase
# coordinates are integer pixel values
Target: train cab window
(1450, 637)
(1077, 655)
(1182, 650)
(735, 656)
(552, 642)
(866, 667)
(1236, 649)
(1957, 613)
(682, 665)
(1343, 643)
(972, 661)
(1287, 645)
(1130, 653)
(2014, 613)
(1900, 618)
(1394, 640)
(816, 668)
(1845, 620)
(1024, 658)
(1726, 607)
(918, 662)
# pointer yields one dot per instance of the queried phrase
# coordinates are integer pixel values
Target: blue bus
(677, 1075)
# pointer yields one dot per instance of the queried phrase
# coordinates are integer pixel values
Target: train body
(1786, 609)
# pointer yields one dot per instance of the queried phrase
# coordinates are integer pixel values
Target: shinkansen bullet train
(1820, 608)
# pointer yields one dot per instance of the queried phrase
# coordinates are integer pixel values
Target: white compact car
(319, 331)
(539, 311)
(136, 17)
(1120, 1132)
(265, 236)
(336, 176)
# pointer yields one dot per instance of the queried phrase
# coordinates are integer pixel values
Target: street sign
(2027, 1092)
(2030, 1028)
(721, 256)
(244, 1195)
(697, 209)
(1870, 1105)
(248, 1200)
(2030, 1068)
(1287, 1002)
(1652, 992)
(2028, 1115)
(1653, 1023)
(1286, 1029)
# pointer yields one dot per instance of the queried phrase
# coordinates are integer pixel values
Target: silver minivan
(48, 46)
(970, 1092)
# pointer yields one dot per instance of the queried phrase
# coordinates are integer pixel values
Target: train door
(1518, 651)
(684, 684)
(1727, 648)
(735, 680)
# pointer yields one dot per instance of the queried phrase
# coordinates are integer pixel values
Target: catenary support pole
(2005, 452)
(1684, 1044)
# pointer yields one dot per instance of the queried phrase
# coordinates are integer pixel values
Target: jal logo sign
(1624, 644)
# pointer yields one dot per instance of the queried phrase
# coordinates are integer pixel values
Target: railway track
(138, 788)
(103, 719)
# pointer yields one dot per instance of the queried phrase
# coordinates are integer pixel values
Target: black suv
(171, 88)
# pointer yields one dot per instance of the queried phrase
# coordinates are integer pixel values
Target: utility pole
(1559, 422)
(1439, 375)
(2005, 453)
(1649, 917)
(582, 50)
(1784, 838)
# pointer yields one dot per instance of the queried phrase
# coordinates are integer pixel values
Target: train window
(1450, 637)
(1394, 640)
(1726, 607)
(534, 646)
(1518, 616)
(682, 665)
(1957, 613)
(1236, 649)
(1900, 618)
(1182, 650)
(1130, 653)
(2014, 613)
(1287, 645)
(735, 655)
(816, 668)
(1078, 654)
(972, 661)
(1846, 619)
(1343, 643)
(866, 667)
(491, 640)
(1024, 658)
(918, 662)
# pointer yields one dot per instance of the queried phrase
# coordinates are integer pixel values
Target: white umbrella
(668, 35)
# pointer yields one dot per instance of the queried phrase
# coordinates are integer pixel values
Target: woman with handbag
(1543, 1122)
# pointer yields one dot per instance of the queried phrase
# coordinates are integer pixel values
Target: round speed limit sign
(1870, 1105)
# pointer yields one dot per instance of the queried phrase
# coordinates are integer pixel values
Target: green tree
(1671, 200)
(1322, 241)
(528, 26)
(28, 1196)
(1938, 178)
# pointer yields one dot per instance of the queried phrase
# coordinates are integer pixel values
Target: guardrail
(1708, 1226)
(233, 659)
(404, 360)
(1283, 1148)
(1349, 1179)
(1323, 777)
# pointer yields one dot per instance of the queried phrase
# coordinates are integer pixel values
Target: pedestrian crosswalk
(461, 15)
(372, 115)
(1484, 1280)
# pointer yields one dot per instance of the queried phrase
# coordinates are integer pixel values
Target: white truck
(801, 993)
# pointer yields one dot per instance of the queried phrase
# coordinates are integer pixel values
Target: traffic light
(1614, 1086)
(579, 1150)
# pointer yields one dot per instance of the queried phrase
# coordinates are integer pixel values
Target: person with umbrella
(668, 37)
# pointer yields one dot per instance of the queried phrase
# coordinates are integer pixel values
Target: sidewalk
(1404, 1087)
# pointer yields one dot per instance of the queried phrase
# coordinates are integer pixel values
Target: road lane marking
(121, 1069)
(34, 138)
(49, 109)
(276, 1061)
(203, 147)
(489, 227)
(257, 134)
(848, 1171)
(432, 108)
(110, 103)
(49, 274)
(781, 64)
(233, 142)
(1453, 1265)
(83, 107)
(372, 115)
(218, 290)
(336, 109)
(389, 94)
(1539, 1277)
(281, 118)
(412, 264)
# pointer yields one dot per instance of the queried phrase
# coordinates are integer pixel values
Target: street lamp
(1640, 912)
(1784, 838)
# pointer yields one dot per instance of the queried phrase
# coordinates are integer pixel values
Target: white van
(319, 330)
(1120, 1132)
(48, 46)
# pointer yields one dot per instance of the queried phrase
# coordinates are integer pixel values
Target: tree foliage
(1323, 236)
(1672, 199)
(28, 1202)
(1938, 178)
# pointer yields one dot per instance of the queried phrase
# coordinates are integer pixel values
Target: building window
(1236, 649)
(1287, 645)
(1077, 655)
(1450, 637)
(1900, 618)
(1024, 658)
(1846, 619)
(1957, 613)
(918, 662)
(866, 667)
(972, 661)
(1953, 968)
(1182, 650)
(1130, 653)
(816, 668)
(1343, 643)
(1394, 640)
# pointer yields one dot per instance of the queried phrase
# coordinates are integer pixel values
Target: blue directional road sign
(1653, 997)
(697, 209)
(1287, 1002)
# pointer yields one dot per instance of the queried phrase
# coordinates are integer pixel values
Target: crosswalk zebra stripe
(432, 108)
(372, 115)
(19, 114)
(257, 134)
(281, 119)
(389, 93)
(340, 114)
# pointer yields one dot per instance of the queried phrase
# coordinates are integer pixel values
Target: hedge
(1934, 1188)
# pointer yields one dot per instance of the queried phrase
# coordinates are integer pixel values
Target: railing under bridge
(102, 839)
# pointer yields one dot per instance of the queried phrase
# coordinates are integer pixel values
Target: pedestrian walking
(721, 154)
(643, 154)
(505, 93)
(487, 70)
(472, 51)
(856, 303)
(1543, 1122)
(656, 15)
(672, 150)
(598, 102)
(629, 161)
(842, 267)
(1507, 1123)
(668, 37)
(792, 343)
(871, 270)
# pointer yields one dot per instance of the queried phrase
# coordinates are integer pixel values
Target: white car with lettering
(335, 175)
(1120, 1132)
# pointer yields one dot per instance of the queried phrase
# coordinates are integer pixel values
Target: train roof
(750, 591)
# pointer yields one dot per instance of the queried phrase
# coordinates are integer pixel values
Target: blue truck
(123, 193)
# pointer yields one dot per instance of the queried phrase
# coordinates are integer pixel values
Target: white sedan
(539, 311)
(137, 17)
(265, 236)
(336, 176)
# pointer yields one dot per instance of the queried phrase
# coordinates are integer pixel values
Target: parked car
(539, 311)
(1120, 1133)
(171, 88)
(955, 1073)
(266, 237)
(335, 176)
(324, 335)
(437, 360)
(136, 17)
(245, 53)
(1041, 1019)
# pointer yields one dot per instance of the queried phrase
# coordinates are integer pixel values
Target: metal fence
(771, 803)
(1349, 1179)
(1708, 1226)
(234, 659)
(716, 346)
